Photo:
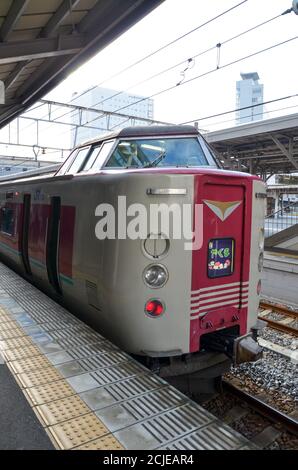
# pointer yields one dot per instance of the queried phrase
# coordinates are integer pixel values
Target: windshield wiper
(157, 160)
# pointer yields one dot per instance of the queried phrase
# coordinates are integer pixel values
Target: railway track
(249, 413)
(289, 423)
(279, 317)
(251, 402)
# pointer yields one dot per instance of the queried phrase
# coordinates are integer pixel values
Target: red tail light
(154, 308)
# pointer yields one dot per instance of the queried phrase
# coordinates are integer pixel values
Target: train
(185, 306)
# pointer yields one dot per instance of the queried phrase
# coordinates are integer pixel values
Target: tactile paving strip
(48, 392)
(39, 377)
(62, 410)
(15, 343)
(103, 443)
(30, 363)
(86, 392)
(21, 353)
(5, 319)
(78, 431)
(11, 333)
(9, 326)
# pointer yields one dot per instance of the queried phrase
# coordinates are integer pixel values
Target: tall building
(108, 100)
(249, 92)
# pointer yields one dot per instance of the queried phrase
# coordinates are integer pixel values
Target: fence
(281, 219)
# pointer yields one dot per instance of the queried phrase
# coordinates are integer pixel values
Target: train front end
(191, 291)
(199, 299)
(226, 270)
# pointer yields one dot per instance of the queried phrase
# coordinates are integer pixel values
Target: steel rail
(277, 324)
(274, 415)
(279, 309)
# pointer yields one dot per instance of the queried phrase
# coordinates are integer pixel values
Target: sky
(212, 94)
(215, 92)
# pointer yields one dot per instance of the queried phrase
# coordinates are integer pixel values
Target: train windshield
(170, 152)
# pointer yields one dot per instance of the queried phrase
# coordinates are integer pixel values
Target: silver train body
(182, 311)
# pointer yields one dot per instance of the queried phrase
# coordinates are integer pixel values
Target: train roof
(145, 131)
(45, 170)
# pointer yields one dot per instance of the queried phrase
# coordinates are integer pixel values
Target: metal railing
(279, 220)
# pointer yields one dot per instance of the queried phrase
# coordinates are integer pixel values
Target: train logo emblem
(222, 209)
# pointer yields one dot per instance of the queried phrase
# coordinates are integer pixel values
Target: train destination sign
(220, 257)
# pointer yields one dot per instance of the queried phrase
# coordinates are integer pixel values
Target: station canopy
(43, 41)
(264, 147)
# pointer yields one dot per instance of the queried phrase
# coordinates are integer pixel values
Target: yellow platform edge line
(106, 441)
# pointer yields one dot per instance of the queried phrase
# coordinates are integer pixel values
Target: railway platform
(280, 277)
(87, 393)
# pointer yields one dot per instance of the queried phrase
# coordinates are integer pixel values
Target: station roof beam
(288, 152)
(41, 43)
(264, 147)
(14, 13)
(41, 48)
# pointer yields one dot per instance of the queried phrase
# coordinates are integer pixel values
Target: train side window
(7, 222)
(91, 158)
(102, 155)
(62, 170)
(79, 161)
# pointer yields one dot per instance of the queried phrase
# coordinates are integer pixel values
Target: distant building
(109, 100)
(249, 92)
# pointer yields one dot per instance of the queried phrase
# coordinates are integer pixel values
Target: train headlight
(155, 276)
(260, 262)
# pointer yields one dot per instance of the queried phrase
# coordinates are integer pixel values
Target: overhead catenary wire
(275, 100)
(203, 74)
(249, 115)
(156, 75)
(151, 54)
(165, 46)
(33, 108)
(220, 44)
(172, 67)
(204, 118)
(158, 93)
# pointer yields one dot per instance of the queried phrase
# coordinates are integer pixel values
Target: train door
(25, 233)
(37, 236)
(220, 268)
(52, 245)
(224, 209)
